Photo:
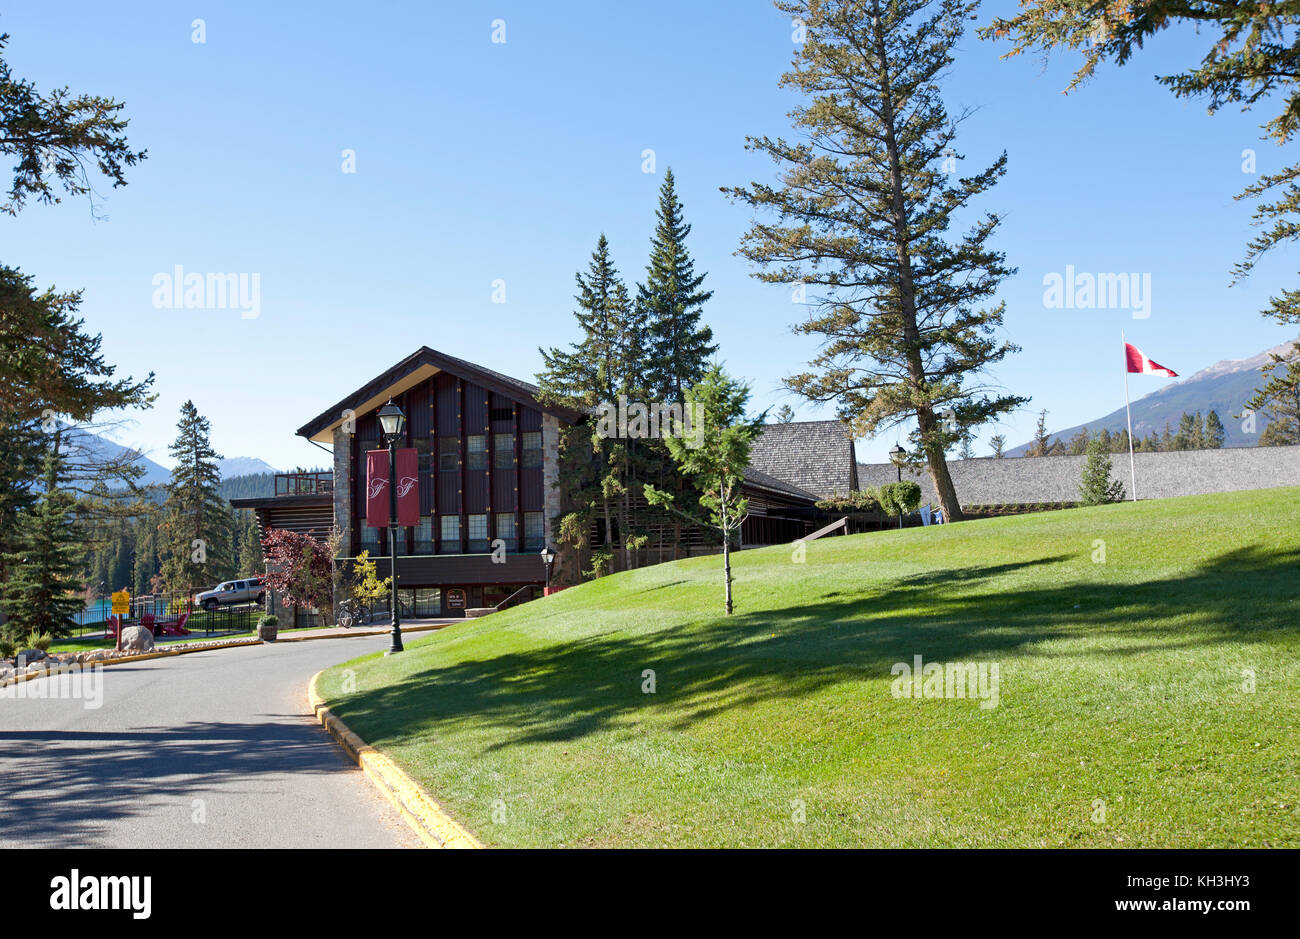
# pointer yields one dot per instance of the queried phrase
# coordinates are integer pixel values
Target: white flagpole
(1132, 472)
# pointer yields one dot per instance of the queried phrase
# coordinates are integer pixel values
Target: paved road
(211, 749)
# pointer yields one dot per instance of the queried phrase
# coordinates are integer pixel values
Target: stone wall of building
(343, 487)
(990, 481)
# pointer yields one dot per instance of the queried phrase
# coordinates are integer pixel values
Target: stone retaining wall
(990, 481)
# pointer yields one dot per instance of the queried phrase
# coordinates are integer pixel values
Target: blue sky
(478, 161)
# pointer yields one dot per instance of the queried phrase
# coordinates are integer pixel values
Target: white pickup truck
(231, 592)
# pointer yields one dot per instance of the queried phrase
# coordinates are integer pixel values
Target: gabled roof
(816, 456)
(415, 368)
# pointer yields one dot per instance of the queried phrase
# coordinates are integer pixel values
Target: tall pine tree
(196, 530)
(606, 364)
(43, 589)
(669, 303)
(1279, 400)
(862, 210)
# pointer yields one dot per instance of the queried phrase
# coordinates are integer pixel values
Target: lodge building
(487, 456)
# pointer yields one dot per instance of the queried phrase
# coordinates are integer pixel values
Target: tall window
(370, 540)
(506, 529)
(476, 452)
(504, 457)
(449, 527)
(478, 533)
(448, 454)
(534, 532)
(532, 445)
(424, 535)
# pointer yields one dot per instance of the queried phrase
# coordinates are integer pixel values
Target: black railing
(304, 484)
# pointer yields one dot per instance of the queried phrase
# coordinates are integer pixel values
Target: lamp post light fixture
(896, 454)
(548, 558)
(392, 420)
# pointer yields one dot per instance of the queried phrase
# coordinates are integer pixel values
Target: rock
(137, 639)
(31, 655)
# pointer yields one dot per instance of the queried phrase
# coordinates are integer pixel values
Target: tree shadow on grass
(563, 691)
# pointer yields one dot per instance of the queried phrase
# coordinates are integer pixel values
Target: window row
(476, 451)
(478, 534)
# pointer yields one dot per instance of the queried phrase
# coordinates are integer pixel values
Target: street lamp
(896, 455)
(548, 558)
(391, 420)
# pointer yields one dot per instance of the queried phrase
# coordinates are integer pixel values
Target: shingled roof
(816, 456)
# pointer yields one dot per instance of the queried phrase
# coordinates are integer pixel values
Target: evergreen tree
(1096, 487)
(964, 450)
(1186, 435)
(716, 462)
(998, 442)
(862, 210)
(606, 364)
(1042, 439)
(196, 529)
(1079, 442)
(1279, 400)
(43, 591)
(1214, 431)
(784, 414)
(678, 346)
(250, 562)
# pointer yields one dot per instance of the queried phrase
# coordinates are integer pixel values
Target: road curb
(183, 650)
(435, 827)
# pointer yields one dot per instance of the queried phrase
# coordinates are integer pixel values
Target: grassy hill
(1124, 711)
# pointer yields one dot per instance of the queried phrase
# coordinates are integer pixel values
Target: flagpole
(1132, 471)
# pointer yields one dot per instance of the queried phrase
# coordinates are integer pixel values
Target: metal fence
(235, 618)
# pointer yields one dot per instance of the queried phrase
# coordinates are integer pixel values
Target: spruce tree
(669, 303)
(43, 589)
(196, 530)
(862, 209)
(606, 364)
(1095, 486)
(1279, 400)
(1214, 431)
(998, 442)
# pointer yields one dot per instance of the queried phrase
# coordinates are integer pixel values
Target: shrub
(862, 500)
(899, 498)
(7, 647)
(40, 641)
(1095, 486)
(268, 619)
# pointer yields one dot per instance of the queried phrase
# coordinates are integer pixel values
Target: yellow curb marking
(435, 827)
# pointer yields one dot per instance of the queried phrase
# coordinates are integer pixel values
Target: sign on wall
(455, 599)
(408, 488)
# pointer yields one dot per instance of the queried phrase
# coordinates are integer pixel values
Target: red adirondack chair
(147, 621)
(110, 626)
(175, 627)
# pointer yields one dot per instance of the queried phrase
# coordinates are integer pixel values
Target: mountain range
(1224, 387)
(157, 474)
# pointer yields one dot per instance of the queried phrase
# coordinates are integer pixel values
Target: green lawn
(1120, 683)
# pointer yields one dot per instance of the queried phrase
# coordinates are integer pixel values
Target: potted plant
(268, 626)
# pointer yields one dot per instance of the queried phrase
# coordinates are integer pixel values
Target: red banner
(408, 488)
(377, 488)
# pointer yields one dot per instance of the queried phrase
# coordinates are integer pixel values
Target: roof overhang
(416, 368)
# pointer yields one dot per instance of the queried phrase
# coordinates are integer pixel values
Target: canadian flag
(1141, 365)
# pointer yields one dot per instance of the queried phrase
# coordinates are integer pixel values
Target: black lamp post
(391, 419)
(548, 558)
(896, 455)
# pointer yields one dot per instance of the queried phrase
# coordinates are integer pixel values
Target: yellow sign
(121, 603)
